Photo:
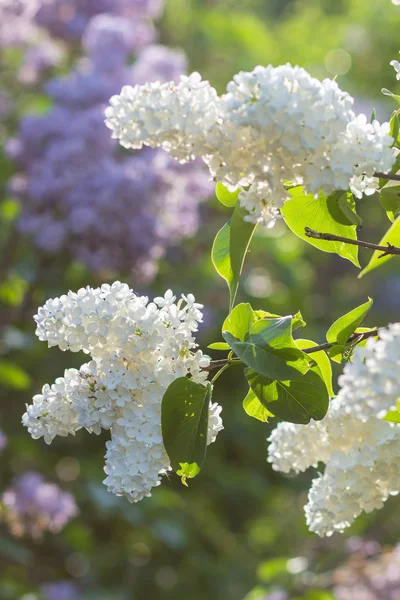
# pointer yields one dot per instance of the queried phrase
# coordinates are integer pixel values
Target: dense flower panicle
(272, 126)
(360, 450)
(78, 192)
(370, 382)
(137, 349)
(32, 506)
(177, 117)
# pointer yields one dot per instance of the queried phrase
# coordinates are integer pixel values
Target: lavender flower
(67, 19)
(109, 40)
(367, 578)
(111, 211)
(60, 590)
(32, 505)
(158, 63)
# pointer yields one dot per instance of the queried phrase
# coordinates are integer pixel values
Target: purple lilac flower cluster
(67, 19)
(32, 506)
(369, 573)
(112, 211)
(60, 590)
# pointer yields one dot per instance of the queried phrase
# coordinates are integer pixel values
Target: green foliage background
(238, 524)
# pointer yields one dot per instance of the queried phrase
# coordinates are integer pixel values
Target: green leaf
(13, 377)
(277, 335)
(226, 197)
(184, 423)
(373, 115)
(348, 207)
(324, 215)
(337, 352)
(240, 320)
(296, 401)
(322, 361)
(262, 361)
(392, 236)
(298, 321)
(254, 408)
(240, 238)
(394, 126)
(390, 200)
(267, 347)
(218, 346)
(344, 327)
(393, 416)
(387, 92)
(395, 168)
(230, 248)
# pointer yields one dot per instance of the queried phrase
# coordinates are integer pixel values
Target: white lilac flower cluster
(273, 125)
(137, 349)
(361, 451)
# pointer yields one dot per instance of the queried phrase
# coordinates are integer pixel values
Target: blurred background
(77, 210)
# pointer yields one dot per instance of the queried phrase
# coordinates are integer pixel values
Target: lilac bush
(109, 209)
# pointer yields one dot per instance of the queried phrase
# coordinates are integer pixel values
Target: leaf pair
(283, 380)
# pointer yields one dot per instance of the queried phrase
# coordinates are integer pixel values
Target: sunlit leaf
(254, 408)
(226, 197)
(322, 361)
(322, 214)
(218, 346)
(390, 200)
(230, 248)
(296, 401)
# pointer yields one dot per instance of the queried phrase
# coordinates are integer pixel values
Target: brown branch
(330, 237)
(389, 176)
(356, 338)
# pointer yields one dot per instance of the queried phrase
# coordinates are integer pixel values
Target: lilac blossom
(158, 63)
(31, 505)
(67, 19)
(367, 577)
(60, 590)
(110, 210)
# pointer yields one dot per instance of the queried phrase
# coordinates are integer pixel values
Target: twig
(389, 176)
(355, 339)
(330, 237)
